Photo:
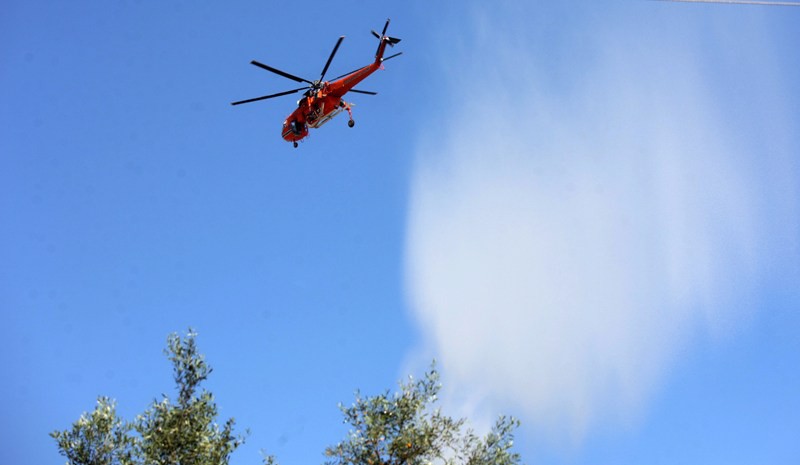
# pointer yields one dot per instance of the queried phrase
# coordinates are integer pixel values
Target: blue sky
(587, 213)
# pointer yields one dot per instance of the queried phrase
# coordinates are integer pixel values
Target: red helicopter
(322, 100)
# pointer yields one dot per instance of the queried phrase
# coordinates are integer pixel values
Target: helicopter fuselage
(320, 106)
(323, 100)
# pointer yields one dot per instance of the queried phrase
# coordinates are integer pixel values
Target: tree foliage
(401, 428)
(404, 429)
(183, 432)
(97, 438)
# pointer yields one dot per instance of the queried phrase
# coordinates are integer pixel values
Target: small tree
(185, 433)
(388, 429)
(97, 438)
(180, 433)
(404, 429)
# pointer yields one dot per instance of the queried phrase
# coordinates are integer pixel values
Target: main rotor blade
(330, 58)
(280, 73)
(390, 57)
(363, 92)
(269, 96)
(348, 74)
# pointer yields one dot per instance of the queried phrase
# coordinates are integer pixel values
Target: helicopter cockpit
(297, 127)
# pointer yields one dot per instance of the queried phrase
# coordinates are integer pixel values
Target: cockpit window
(297, 127)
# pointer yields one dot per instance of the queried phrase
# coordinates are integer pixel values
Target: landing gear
(295, 144)
(347, 107)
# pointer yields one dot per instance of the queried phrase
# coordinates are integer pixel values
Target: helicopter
(322, 100)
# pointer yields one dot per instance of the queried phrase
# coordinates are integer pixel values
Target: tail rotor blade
(382, 37)
(377, 36)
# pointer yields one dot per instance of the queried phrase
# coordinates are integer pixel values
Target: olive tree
(401, 428)
(97, 438)
(404, 428)
(180, 432)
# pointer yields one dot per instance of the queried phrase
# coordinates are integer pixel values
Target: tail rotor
(384, 39)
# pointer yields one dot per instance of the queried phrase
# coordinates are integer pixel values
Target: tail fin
(384, 39)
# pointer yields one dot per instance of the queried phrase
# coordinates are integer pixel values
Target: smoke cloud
(566, 242)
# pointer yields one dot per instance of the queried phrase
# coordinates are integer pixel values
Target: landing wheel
(295, 144)
(351, 123)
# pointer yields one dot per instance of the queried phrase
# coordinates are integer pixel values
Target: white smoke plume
(565, 244)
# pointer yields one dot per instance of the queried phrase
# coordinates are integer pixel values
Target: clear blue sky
(587, 213)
